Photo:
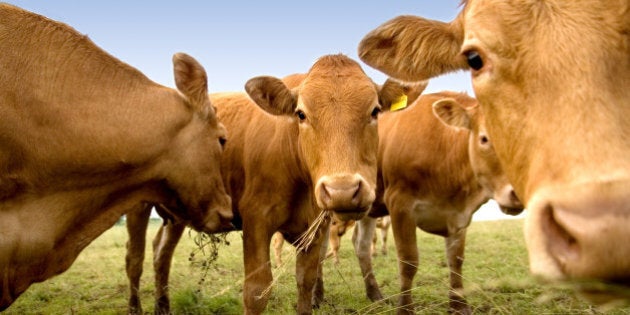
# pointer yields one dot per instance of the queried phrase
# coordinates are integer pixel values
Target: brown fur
(87, 138)
(553, 87)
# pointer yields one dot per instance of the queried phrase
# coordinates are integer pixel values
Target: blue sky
(236, 40)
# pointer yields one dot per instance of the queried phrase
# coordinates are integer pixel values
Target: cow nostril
(514, 198)
(324, 195)
(563, 246)
(356, 197)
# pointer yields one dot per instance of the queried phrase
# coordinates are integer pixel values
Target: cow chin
(344, 216)
(510, 210)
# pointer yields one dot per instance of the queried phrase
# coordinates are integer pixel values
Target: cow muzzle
(508, 202)
(348, 196)
(218, 218)
(581, 233)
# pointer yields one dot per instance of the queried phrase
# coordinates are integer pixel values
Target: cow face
(552, 81)
(193, 167)
(464, 114)
(335, 108)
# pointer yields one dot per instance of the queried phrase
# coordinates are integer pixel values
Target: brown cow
(433, 177)
(552, 79)
(292, 153)
(84, 138)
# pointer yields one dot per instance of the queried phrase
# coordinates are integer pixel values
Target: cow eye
(375, 112)
(474, 60)
(300, 115)
(222, 141)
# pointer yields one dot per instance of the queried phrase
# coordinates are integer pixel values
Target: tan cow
(433, 177)
(382, 224)
(552, 79)
(292, 153)
(85, 138)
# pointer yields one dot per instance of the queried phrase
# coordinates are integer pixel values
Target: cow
(296, 157)
(338, 229)
(437, 166)
(85, 138)
(382, 224)
(552, 81)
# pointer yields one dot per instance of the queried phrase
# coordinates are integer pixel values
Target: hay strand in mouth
(304, 241)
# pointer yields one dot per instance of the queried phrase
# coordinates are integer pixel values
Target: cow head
(552, 81)
(335, 109)
(462, 113)
(192, 168)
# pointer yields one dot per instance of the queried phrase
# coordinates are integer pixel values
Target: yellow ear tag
(399, 104)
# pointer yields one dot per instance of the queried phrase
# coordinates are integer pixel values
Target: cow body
(552, 79)
(85, 138)
(433, 177)
(293, 152)
(317, 151)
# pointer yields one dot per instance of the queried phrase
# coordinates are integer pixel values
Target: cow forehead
(348, 91)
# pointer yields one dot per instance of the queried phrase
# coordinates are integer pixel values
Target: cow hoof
(459, 307)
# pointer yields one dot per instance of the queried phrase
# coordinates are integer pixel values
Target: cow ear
(452, 114)
(191, 80)
(271, 95)
(395, 95)
(412, 48)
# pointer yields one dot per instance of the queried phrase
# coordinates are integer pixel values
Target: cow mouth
(219, 221)
(598, 292)
(511, 210)
(355, 214)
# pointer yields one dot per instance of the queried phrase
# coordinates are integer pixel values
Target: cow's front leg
(455, 245)
(137, 221)
(307, 264)
(164, 245)
(404, 228)
(318, 287)
(362, 240)
(258, 278)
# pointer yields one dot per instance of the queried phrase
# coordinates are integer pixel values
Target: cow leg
(164, 245)
(374, 241)
(318, 287)
(404, 228)
(278, 241)
(384, 230)
(258, 278)
(137, 221)
(334, 240)
(455, 245)
(362, 241)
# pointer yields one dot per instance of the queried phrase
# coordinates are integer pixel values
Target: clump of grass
(194, 302)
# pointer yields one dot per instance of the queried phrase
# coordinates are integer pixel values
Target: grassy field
(495, 270)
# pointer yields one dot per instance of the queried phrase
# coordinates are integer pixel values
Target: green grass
(495, 271)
